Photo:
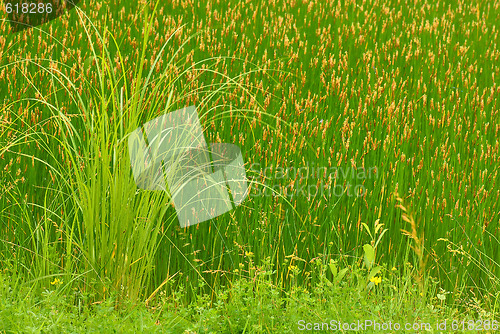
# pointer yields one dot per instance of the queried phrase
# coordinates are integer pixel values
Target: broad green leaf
(333, 268)
(369, 255)
(367, 230)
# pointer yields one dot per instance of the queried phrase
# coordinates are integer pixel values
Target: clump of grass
(94, 221)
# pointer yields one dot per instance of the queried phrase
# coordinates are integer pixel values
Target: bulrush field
(370, 135)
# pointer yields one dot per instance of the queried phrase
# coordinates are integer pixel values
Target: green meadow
(370, 136)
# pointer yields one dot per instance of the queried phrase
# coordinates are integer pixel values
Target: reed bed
(400, 100)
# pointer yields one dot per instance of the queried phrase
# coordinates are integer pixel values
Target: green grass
(408, 93)
(248, 305)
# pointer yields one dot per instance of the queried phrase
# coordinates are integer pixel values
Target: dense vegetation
(369, 131)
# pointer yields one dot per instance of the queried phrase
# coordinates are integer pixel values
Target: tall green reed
(94, 229)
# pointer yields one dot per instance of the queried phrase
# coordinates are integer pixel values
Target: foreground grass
(249, 305)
